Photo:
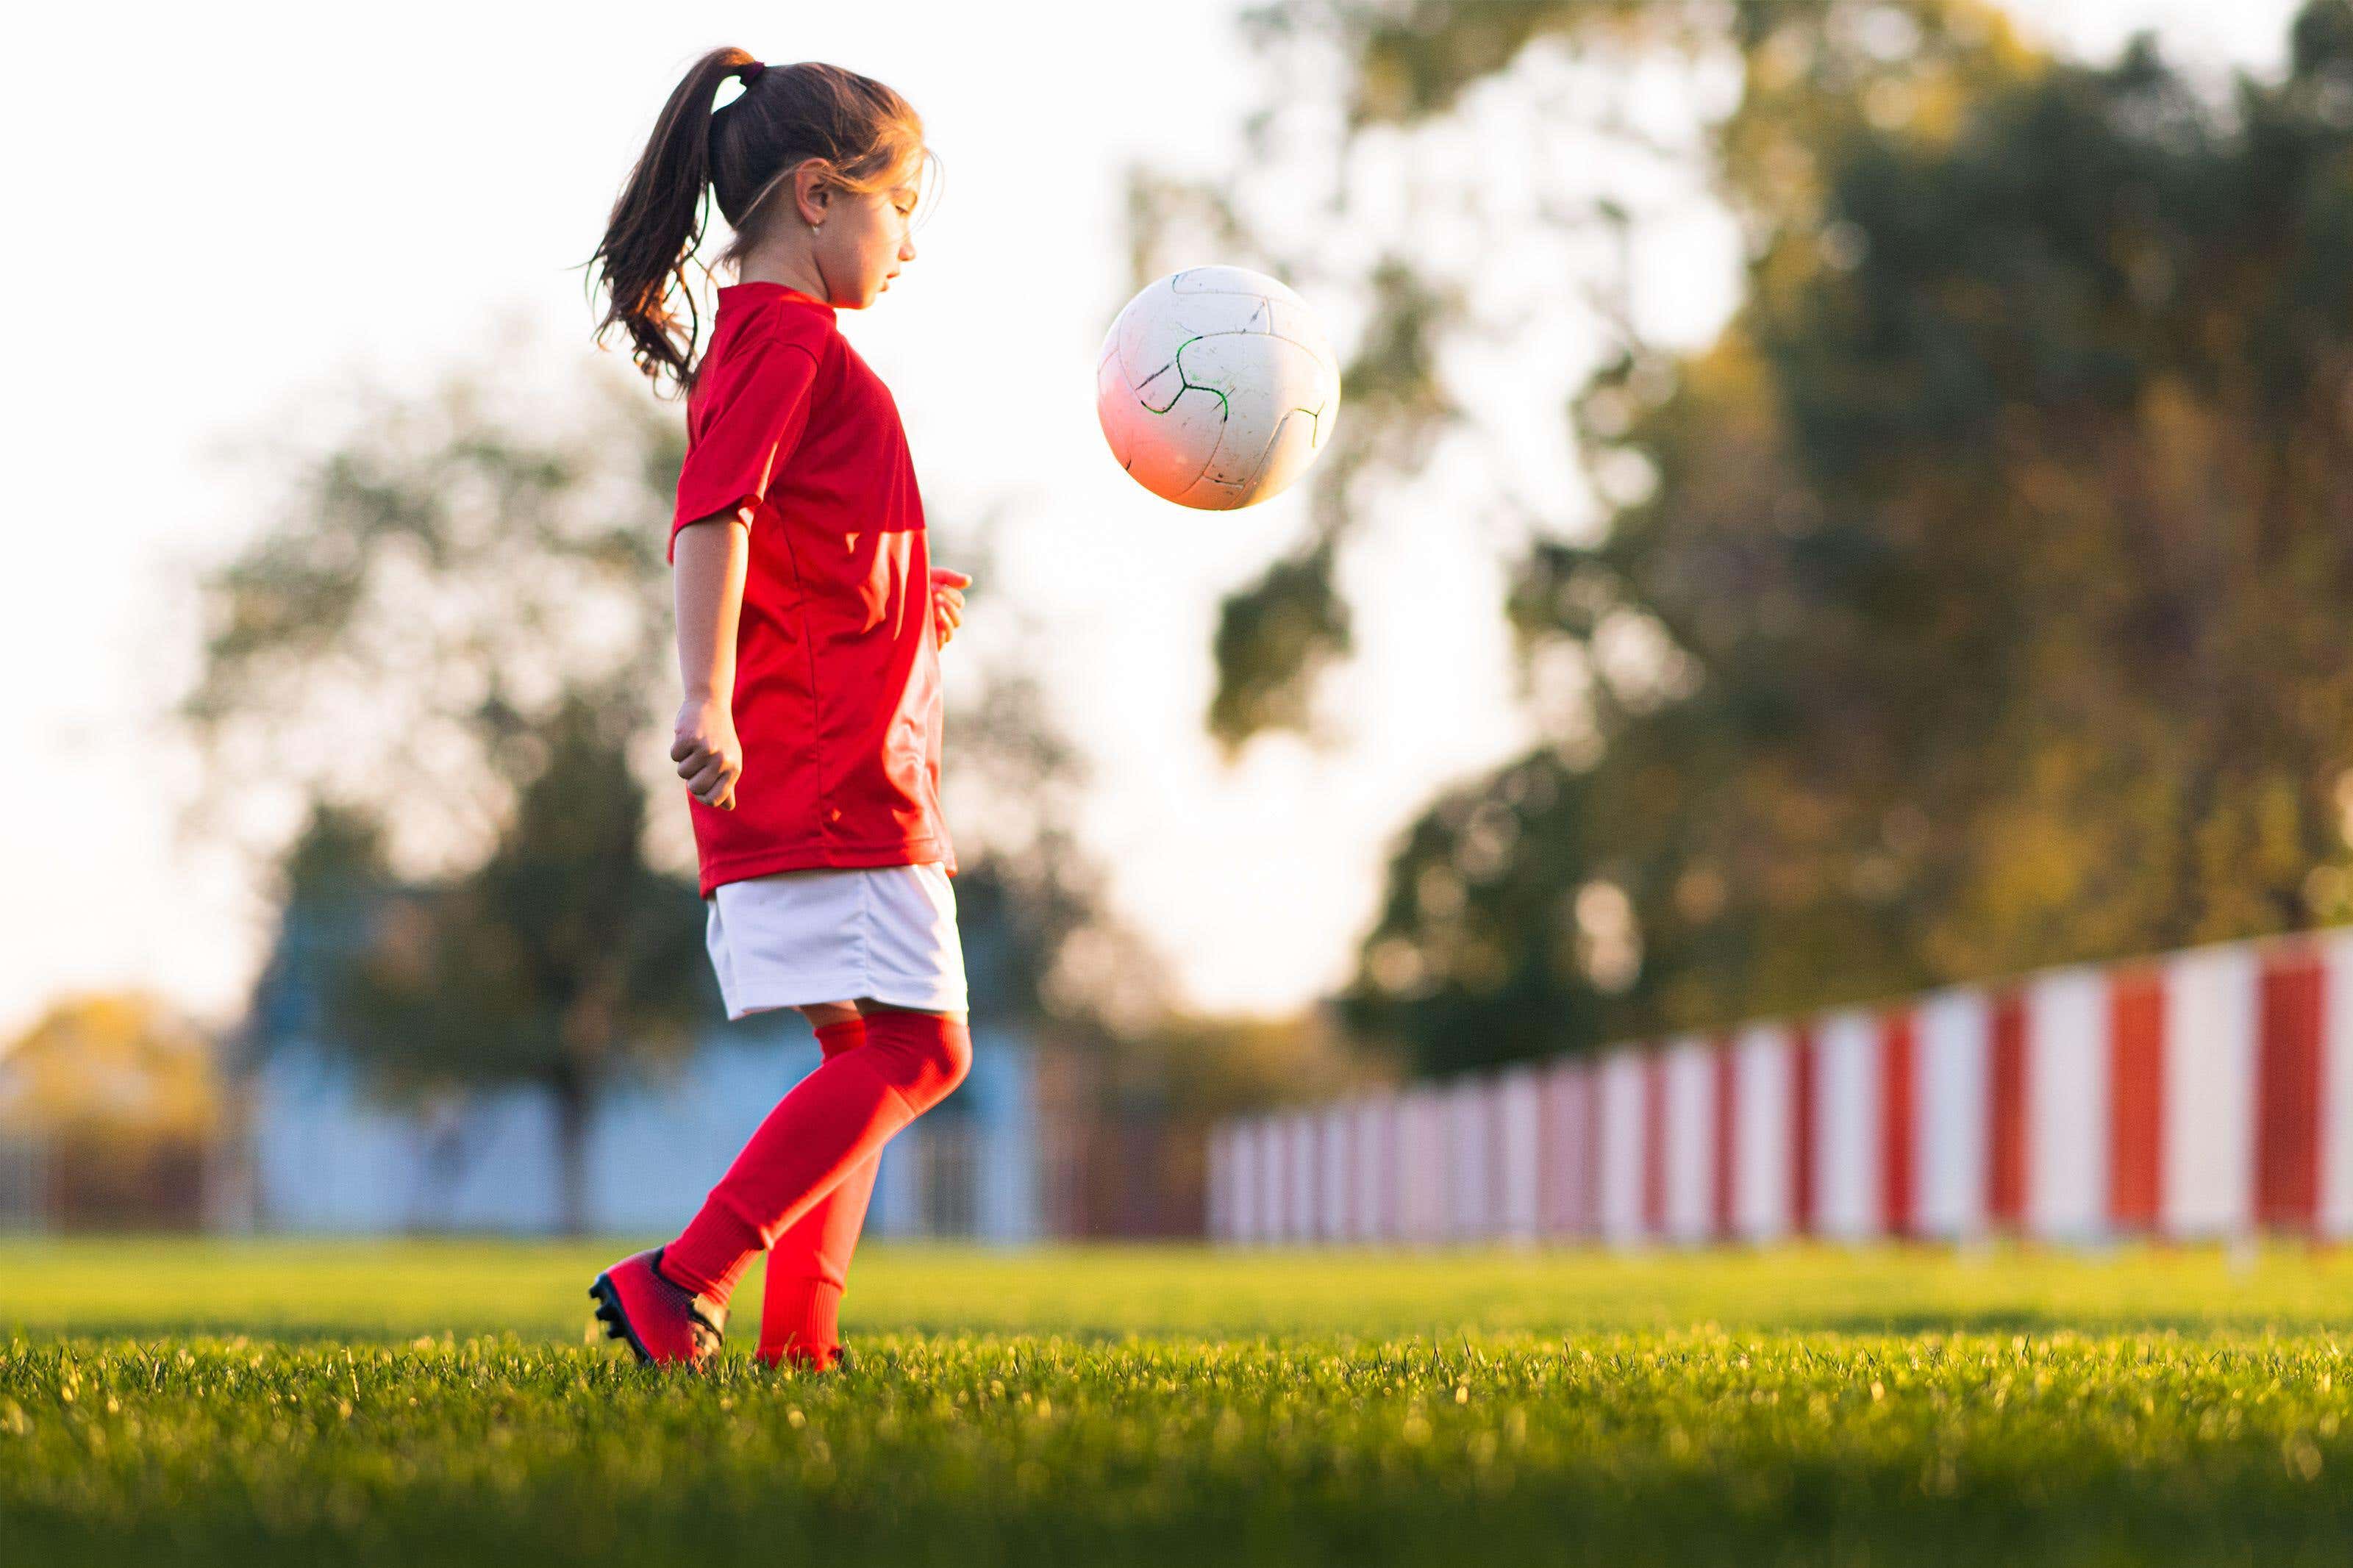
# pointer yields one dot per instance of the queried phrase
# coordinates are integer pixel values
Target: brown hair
(863, 131)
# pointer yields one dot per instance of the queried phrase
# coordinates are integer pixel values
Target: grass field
(431, 1403)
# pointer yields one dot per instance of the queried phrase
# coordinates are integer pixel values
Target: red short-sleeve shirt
(836, 694)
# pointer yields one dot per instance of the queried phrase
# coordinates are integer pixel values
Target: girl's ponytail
(657, 223)
(863, 132)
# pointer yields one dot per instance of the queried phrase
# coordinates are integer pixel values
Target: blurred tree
(1972, 603)
(111, 1103)
(452, 653)
(114, 1069)
(559, 959)
(1043, 948)
(441, 583)
(1200, 1068)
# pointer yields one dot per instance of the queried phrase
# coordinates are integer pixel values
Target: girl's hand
(709, 756)
(947, 600)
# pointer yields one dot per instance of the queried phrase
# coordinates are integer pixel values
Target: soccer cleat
(658, 1320)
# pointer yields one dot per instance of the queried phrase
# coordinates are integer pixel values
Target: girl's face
(864, 242)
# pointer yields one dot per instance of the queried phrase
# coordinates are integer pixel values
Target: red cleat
(659, 1321)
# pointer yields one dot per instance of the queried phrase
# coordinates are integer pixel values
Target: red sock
(808, 1267)
(831, 1123)
(800, 1322)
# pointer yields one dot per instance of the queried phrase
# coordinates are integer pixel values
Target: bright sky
(229, 208)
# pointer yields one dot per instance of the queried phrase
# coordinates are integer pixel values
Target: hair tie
(748, 74)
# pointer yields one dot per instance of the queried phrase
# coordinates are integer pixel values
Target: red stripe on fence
(1898, 1125)
(1654, 1141)
(1577, 1152)
(1554, 1148)
(2288, 1090)
(1727, 1132)
(2136, 1098)
(1804, 1113)
(2006, 1111)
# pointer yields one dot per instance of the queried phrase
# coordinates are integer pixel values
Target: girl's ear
(811, 199)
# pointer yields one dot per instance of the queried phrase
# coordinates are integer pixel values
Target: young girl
(809, 623)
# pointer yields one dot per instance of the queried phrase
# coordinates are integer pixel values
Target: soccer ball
(1216, 388)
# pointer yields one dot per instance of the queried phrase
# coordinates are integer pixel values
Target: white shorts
(798, 937)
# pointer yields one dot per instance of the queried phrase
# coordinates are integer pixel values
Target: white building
(329, 1157)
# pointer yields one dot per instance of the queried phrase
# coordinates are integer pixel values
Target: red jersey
(837, 696)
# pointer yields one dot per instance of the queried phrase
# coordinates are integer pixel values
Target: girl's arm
(709, 562)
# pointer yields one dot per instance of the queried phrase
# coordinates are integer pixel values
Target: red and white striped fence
(2205, 1094)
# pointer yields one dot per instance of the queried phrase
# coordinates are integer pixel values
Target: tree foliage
(115, 1066)
(448, 651)
(1983, 582)
(435, 587)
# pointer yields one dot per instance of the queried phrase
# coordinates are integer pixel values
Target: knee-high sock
(808, 1267)
(830, 1123)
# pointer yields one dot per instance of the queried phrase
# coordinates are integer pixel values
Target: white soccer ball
(1217, 387)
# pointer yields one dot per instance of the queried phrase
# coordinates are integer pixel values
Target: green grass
(431, 1403)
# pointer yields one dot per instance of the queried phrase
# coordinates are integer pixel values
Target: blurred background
(1832, 498)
